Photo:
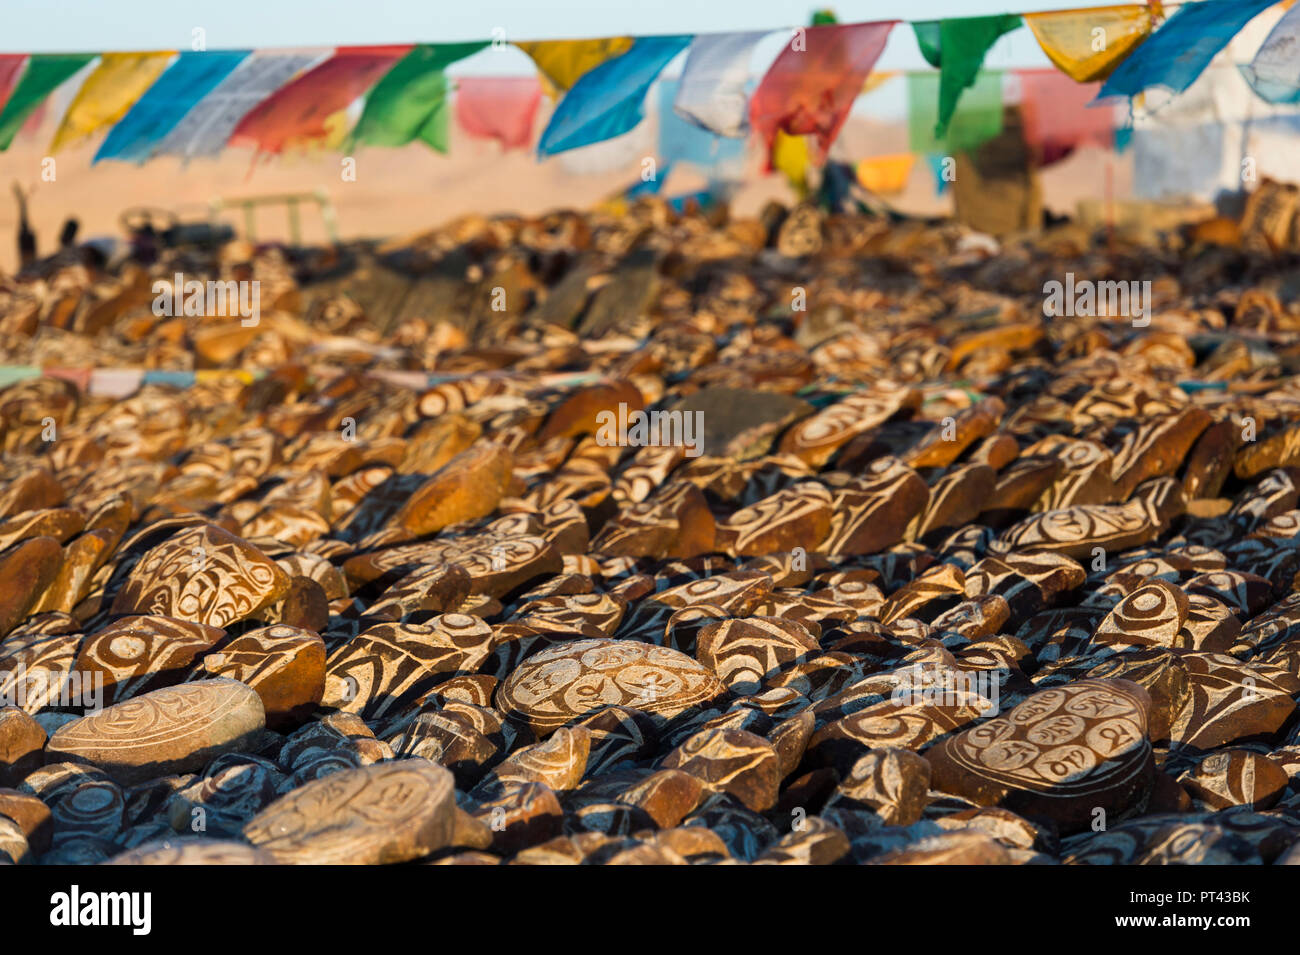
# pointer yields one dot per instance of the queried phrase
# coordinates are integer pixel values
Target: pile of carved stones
(938, 579)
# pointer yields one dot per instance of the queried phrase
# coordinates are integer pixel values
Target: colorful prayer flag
(978, 117)
(503, 108)
(116, 83)
(811, 86)
(410, 102)
(1088, 44)
(564, 62)
(608, 101)
(297, 114)
(1057, 116)
(712, 92)
(207, 127)
(187, 81)
(962, 45)
(1274, 73)
(44, 72)
(1180, 50)
(682, 141)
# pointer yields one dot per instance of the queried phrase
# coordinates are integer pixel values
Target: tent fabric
(608, 101)
(1274, 73)
(207, 128)
(712, 92)
(503, 108)
(410, 102)
(682, 141)
(187, 81)
(563, 62)
(298, 114)
(978, 117)
(1070, 38)
(810, 88)
(963, 43)
(108, 92)
(44, 72)
(1180, 50)
(1057, 117)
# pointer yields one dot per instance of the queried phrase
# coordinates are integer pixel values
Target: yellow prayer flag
(109, 91)
(790, 157)
(886, 175)
(875, 80)
(562, 62)
(1088, 44)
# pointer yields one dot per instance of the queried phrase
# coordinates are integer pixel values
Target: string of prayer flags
(297, 114)
(811, 86)
(962, 45)
(207, 128)
(1180, 50)
(563, 62)
(713, 90)
(608, 101)
(109, 91)
(1088, 44)
(186, 82)
(503, 108)
(410, 102)
(1274, 73)
(44, 72)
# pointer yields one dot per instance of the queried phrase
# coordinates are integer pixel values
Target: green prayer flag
(411, 101)
(978, 116)
(927, 38)
(45, 71)
(963, 44)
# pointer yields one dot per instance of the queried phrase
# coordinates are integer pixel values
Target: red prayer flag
(296, 113)
(812, 85)
(11, 65)
(1057, 118)
(498, 107)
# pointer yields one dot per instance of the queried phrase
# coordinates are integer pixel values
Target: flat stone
(467, 487)
(190, 850)
(559, 685)
(22, 744)
(173, 730)
(137, 654)
(374, 815)
(284, 665)
(203, 574)
(1061, 754)
(735, 762)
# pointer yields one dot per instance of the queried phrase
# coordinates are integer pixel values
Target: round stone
(561, 684)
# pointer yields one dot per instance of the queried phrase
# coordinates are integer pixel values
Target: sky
(97, 25)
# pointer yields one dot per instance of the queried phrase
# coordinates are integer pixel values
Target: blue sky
(94, 25)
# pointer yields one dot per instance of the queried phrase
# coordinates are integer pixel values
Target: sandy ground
(403, 190)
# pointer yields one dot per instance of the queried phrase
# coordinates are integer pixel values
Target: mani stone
(22, 741)
(743, 652)
(468, 486)
(374, 815)
(1062, 754)
(177, 729)
(136, 654)
(204, 574)
(567, 681)
(1236, 777)
(284, 665)
(731, 761)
